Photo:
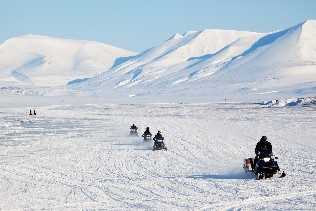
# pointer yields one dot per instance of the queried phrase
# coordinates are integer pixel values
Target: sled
(264, 168)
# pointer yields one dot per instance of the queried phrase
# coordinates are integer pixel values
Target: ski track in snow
(81, 157)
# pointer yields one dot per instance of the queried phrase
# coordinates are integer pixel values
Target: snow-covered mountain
(166, 62)
(195, 66)
(217, 64)
(277, 55)
(281, 63)
(48, 61)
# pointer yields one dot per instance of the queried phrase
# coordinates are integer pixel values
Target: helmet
(263, 138)
(147, 128)
(159, 131)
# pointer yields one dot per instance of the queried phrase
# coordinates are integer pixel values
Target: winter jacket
(263, 148)
(133, 127)
(147, 132)
(158, 137)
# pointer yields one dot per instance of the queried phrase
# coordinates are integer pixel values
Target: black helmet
(263, 138)
(147, 128)
(159, 131)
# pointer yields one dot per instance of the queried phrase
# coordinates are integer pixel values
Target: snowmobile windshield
(266, 159)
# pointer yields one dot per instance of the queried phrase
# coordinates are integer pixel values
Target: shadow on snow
(223, 176)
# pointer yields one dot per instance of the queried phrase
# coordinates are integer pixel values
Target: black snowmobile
(159, 145)
(263, 167)
(147, 135)
(159, 142)
(133, 130)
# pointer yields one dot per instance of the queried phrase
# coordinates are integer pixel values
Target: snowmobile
(147, 134)
(147, 137)
(133, 132)
(158, 142)
(159, 145)
(263, 168)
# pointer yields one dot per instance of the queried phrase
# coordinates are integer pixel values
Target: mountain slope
(203, 65)
(273, 54)
(281, 59)
(244, 66)
(179, 48)
(279, 64)
(174, 55)
(42, 60)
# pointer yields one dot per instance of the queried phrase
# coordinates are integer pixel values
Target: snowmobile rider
(133, 127)
(158, 137)
(263, 148)
(147, 132)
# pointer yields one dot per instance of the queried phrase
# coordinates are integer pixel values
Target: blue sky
(140, 24)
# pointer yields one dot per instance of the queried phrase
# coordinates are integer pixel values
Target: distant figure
(34, 112)
(158, 137)
(159, 142)
(133, 131)
(134, 127)
(30, 112)
(147, 132)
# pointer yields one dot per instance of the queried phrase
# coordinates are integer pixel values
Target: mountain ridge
(246, 63)
(206, 65)
(61, 59)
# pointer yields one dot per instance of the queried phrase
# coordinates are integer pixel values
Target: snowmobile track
(70, 159)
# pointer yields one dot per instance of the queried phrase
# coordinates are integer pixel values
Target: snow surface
(80, 157)
(308, 101)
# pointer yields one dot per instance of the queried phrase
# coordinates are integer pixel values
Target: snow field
(81, 157)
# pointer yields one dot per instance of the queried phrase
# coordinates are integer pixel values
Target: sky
(140, 24)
